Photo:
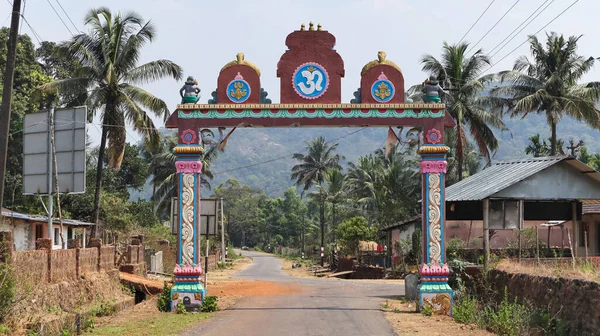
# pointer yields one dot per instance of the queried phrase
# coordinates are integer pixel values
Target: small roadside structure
(540, 193)
(27, 229)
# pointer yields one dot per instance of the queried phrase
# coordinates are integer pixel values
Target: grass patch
(157, 325)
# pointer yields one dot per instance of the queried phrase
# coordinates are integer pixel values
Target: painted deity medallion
(238, 89)
(310, 80)
(382, 89)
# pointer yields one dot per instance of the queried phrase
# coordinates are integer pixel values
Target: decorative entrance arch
(311, 71)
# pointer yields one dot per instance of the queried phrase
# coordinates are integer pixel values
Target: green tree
(109, 56)
(332, 191)
(164, 174)
(548, 84)
(461, 77)
(320, 158)
(352, 231)
(537, 147)
(28, 76)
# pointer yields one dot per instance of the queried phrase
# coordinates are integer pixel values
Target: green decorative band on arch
(306, 114)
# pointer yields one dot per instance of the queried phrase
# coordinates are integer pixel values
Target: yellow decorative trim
(428, 149)
(188, 149)
(308, 106)
(240, 60)
(380, 60)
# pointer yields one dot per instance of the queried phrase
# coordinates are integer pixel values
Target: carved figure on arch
(443, 302)
(432, 89)
(190, 92)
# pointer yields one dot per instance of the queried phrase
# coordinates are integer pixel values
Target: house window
(70, 233)
(56, 237)
(39, 231)
(584, 228)
(504, 214)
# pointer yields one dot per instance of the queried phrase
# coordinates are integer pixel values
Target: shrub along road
(325, 307)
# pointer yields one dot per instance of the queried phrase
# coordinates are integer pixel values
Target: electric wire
(479, 18)
(22, 15)
(33, 31)
(527, 40)
(522, 23)
(60, 17)
(494, 26)
(504, 46)
(282, 157)
(68, 17)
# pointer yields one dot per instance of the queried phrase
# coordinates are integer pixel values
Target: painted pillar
(434, 290)
(188, 270)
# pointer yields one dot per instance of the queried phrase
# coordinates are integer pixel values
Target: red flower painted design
(434, 136)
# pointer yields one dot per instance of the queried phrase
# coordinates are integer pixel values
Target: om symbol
(310, 80)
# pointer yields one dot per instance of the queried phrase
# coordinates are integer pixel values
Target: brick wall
(60, 265)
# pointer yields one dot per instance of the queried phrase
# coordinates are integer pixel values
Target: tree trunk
(94, 233)
(55, 177)
(553, 143)
(322, 220)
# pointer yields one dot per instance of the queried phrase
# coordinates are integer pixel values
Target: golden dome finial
(311, 26)
(302, 27)
(381, 59)
(319, 27)
(240, 59)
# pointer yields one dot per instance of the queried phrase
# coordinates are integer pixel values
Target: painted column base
(434, 290)
(191, 294)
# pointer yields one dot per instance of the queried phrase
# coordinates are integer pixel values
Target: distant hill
(248, 148)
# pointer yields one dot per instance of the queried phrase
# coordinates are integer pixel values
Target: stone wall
(574, 301)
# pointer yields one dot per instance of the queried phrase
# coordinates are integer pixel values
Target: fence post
(46, 244)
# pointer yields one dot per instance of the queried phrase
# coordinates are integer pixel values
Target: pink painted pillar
(188, 289)
(434, 271)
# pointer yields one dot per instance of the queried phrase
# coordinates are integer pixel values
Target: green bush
(180, 308)
(209, 305)
(465, 310)
(3, 329)
(550, 325)
(164, 300)
(427, 310)
(511, 317)
(7, 284)
(454, 245)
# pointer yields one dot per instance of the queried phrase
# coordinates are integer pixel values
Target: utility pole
(222, 233)
(9, 75)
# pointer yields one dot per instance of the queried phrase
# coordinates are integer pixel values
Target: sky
(202, 36)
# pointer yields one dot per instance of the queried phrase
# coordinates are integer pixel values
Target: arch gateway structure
(311, 72)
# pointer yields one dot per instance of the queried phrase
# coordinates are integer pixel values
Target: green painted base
(190, 100)
(190, 294)
(432, 99)
(438, 295)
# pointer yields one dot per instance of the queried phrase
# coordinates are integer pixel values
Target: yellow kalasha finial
(302, 27)
(311, 26)
(319, 27)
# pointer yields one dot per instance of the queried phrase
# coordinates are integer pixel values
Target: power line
(494, 26)
(519, 26)
(281, 157)
(60, 17)
(68, 17)
(35, 34)
(479, 18)
(504, 46)
(527, 40)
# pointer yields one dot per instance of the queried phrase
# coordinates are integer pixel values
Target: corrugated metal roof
(42, 219)
(504, 174)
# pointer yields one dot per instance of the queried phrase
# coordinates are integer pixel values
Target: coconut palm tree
(461, 77)
(334, 192)
(320, 158)
(548, 84)
(109, 56)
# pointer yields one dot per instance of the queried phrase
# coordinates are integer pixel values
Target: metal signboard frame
(70, 127)
(207, 214)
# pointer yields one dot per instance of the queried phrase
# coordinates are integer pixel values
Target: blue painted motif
(238, 91)
(310, 80)
(383, 90)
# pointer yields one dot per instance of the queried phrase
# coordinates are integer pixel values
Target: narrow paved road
(327, 307)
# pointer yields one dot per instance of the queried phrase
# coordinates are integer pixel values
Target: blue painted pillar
(188, 270)
(434, 290)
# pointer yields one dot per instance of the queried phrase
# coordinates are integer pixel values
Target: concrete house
(27, 229)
